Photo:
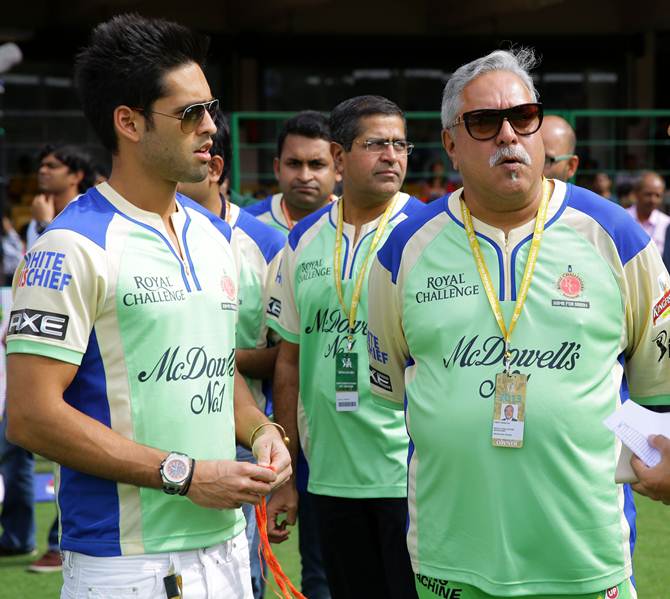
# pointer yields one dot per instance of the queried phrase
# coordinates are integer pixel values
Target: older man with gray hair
(521, 291)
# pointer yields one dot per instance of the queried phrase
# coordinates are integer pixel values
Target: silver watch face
(176, 468)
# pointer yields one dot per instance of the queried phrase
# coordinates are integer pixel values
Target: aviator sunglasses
(191, 116)
(486, 123)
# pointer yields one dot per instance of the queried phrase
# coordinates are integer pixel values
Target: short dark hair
(345, 117)
(76, 161)
(125, 64)
(221, 145)
(307, 123)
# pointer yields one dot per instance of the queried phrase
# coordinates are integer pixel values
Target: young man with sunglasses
(356, 450)
(522, 291)
(121, 341)
(558, 137)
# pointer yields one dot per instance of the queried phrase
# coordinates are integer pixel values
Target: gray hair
(518, 61)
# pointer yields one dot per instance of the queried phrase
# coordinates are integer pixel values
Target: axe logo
(38, 324)
(274, 307)
(379, 379)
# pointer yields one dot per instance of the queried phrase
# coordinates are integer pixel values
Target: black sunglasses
(192, 115)
(486, 123)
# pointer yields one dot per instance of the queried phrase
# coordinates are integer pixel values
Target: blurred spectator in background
(63, 174)
(649, 190)
(12, 250)
(560, 141)
(438, 185)
(630, 172)
(22, 186)
(602, 185)
(625, 195)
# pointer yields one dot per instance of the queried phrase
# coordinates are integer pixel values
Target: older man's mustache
(517, 153)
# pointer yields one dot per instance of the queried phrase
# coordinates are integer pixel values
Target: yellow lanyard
(527, 274)
(287, 216)
(339, 234)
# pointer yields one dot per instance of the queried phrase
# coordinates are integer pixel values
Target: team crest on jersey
(570, 284)
(228, 286)
(612, 593)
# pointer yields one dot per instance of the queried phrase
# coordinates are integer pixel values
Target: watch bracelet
(187, 482)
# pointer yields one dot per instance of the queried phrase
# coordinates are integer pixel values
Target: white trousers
(218, 572)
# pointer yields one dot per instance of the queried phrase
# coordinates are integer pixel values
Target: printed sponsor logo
(313, 269)
(176, 364)
(446, 287)
(612, 593)
(375, 351)
(440, 587)
(333, 321)
(153, 290)
(661, 309)
(379, 379)
(476, 351)
(661, 341)
(569, 304)
(38, 324)
(274, 307)
(44, 269)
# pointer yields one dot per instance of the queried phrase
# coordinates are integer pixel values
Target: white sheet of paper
(633, 424)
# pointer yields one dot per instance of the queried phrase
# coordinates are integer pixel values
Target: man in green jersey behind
(356, 449)
(527, 292)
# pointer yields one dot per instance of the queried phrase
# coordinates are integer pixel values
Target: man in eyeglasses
(356, 450)
(522, 291)
(121, 341)
(560, 160)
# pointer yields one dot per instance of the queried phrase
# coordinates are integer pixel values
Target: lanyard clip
(350, 342)
(507, 358)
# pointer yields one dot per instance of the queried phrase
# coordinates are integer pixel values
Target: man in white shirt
(649, 190)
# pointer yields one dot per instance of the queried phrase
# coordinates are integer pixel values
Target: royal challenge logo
(153, 290)
(446, 287)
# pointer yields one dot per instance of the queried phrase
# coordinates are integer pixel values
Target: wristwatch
(176, 473)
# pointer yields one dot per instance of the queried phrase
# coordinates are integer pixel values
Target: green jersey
(358, 453)
(547, 518)
(257, 248)
(151, 328)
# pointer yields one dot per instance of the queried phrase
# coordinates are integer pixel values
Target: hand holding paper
(634, 424)
(654, 482)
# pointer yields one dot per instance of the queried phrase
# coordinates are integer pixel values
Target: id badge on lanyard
(346, 363)
(509, 410)
(346, 382)
(509, 407)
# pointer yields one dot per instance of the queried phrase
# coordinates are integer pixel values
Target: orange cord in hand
(265, 551)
